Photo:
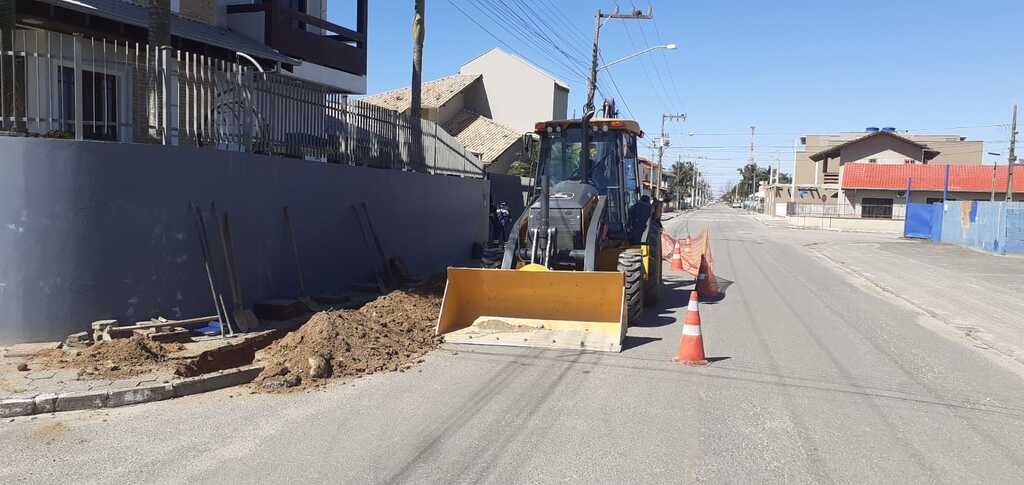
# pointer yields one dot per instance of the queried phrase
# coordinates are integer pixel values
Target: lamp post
(637, 54)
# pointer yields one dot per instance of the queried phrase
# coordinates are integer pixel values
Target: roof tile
(962, 178)
(480, 134)
(435, 93)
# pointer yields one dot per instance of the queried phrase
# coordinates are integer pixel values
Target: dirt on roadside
(391, 333)
(115, 359)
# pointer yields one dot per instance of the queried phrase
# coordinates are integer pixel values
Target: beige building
(518, 93)
(877, 146)
(492, 101)
(819, 165)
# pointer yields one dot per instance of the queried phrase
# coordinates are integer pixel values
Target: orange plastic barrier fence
(697, 260)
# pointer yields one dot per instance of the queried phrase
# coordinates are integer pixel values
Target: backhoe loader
(580, 262)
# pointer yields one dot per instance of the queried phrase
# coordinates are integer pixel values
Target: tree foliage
(751, 176)
(683, 187)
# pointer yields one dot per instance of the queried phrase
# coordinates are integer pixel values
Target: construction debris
(78, 340)
(390, 333)
(114, 359)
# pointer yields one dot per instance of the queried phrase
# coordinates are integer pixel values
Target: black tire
(493, 253)
(653, 289)
(632, 265)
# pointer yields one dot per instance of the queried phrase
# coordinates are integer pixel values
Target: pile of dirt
(114, 359)
(390, 333)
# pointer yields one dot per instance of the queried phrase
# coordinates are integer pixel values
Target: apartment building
(866, 174)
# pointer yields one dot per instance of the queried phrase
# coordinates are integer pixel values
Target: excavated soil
(113, 359)
(391, 333)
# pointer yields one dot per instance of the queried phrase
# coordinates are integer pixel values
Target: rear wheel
(632, 266)
(493, 253)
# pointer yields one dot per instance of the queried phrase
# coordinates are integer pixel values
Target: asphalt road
(818, 378)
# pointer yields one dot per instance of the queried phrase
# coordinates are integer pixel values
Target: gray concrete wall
(511, 189)
(92, 230)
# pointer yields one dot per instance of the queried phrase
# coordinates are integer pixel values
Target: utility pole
(588, 108)
(1012, 158)
(664, 141)
(693, 187)
(752, 161)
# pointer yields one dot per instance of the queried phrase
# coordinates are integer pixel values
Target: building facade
(488, 105)
(866, 175)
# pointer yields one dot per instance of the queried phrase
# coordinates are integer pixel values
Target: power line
(494, 15)
(654, 65)
(615, 85)
(530, 33)
(495, 37)
(734, 132)
(644, 66)
(668, 65)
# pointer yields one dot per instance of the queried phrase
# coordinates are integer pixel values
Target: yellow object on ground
(549, 309)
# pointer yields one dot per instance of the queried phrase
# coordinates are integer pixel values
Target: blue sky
(788, 67)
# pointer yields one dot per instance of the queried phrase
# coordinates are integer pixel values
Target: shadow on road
(632, 342)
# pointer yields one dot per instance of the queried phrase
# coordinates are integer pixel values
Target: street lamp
(610, 64)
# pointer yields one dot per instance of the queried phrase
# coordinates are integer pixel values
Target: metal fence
(67, 86)
(846, 211)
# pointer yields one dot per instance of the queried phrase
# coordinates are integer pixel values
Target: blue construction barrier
(992, 226)
(918, 221)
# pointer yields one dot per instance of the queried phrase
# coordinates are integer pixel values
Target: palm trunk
(148, 100)
(416, 155)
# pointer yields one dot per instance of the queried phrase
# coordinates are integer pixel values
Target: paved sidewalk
(975, 293)
(38, 380)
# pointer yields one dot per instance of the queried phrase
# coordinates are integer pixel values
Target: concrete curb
(75, 401)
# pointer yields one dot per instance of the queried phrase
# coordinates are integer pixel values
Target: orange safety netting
(696, 260)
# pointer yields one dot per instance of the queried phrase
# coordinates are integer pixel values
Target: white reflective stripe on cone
(693, 330)
(692, 306)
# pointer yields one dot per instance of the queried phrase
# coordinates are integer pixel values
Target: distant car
(736, 205)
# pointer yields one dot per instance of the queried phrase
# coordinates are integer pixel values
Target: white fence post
(79, 110)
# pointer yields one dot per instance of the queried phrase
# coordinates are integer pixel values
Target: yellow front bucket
(549, 309)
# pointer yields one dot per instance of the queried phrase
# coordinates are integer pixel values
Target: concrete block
(217, 380)
(136, 395)
(19, 406)
(74, 401)
(46, 403)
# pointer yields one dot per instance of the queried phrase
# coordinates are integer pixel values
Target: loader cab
(614, 167)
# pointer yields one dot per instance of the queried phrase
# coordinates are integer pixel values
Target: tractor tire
(632, 266)
(653, 289)
(493, 253)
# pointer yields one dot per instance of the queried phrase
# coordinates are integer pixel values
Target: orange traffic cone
(691, 344)
(677, 257)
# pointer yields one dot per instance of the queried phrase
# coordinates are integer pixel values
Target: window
(872, 208)
(99, 103)
(872, 160)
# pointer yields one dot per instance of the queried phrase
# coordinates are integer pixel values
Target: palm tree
(416, 156)
(146, 101)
